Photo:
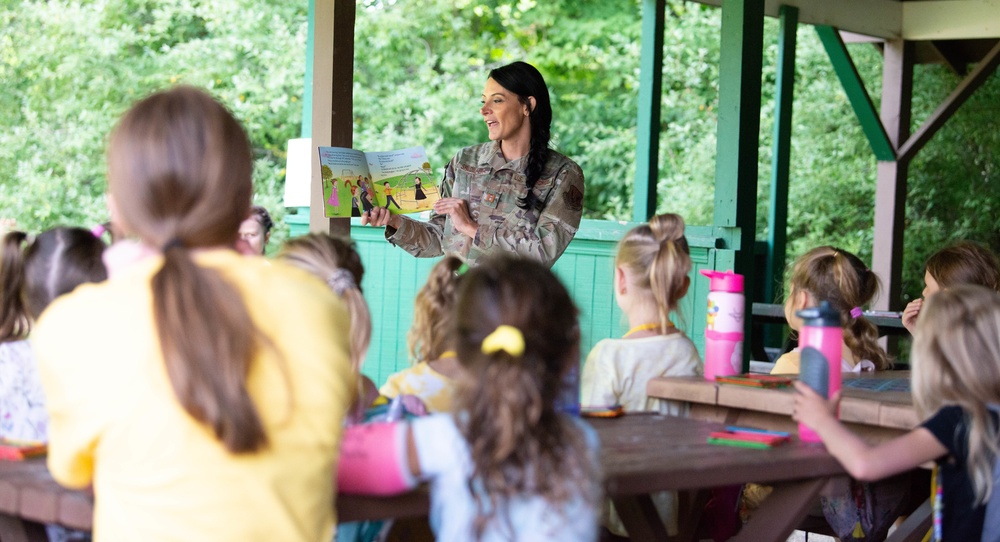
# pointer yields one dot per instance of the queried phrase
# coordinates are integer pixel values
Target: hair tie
(462, 269)
(340, 281)
(174, 242)
(856, 313)
(98, 230)
(506, 338)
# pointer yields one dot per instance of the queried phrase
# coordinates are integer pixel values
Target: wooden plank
(950, 19)
(881, 18)
(916, 526)
(647, 159)
(694, 389)
(786, 507)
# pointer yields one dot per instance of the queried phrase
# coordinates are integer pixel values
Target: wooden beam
(950, 19)
(781, 155)
(879, 18)
(966, 88)
(333, 99)
(735, 214)
(850, 80)
(647, 160)
(890, 187)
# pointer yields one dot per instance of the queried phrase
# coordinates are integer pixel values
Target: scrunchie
(341, 280)
(856, 312)
(506, 338)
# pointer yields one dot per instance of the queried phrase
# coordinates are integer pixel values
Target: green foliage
(70, 68)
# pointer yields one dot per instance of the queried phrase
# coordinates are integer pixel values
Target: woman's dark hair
(261, 215)
(179, 167)
(524, 80)
(55, 263)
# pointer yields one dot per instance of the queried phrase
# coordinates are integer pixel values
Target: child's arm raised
(861, 460)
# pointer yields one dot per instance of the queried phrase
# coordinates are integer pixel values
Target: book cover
(355, 181)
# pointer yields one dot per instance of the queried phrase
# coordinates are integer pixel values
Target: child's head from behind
(335, 261)
(516, 334)
(53, 264)
(179, 170)
(964, 262)
(834, 275)
(433, 312)
(653, 262)
(956, 361)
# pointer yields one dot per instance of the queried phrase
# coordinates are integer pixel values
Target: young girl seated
(432, 379)
(506, 465)
(336, 262)
(53, 264)
(962, 263)
(956, 390)
(200, 392)
(841, 278)
(651, 277)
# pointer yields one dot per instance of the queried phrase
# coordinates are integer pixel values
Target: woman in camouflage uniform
(513, 194)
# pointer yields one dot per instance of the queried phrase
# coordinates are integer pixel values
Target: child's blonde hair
(657, 254)
(430, 335)
(336, 261)
(956, 361)
(841, 278)
(965, 262)
(518, 441)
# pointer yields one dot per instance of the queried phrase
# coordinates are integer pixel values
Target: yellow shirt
(159, 475)
(432, 387)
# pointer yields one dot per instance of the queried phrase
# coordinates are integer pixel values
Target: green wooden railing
(393, 277)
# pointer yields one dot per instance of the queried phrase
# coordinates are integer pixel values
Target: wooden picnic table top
(640, 454)
(879, 399)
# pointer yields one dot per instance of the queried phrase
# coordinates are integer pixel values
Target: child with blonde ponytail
(651, 277)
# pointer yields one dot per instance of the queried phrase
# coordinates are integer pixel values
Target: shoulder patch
(573, 198)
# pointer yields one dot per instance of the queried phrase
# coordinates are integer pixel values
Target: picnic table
(876, 405)
(640, 454)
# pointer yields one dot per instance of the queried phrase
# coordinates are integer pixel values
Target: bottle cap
(822, 316)
(723, 281)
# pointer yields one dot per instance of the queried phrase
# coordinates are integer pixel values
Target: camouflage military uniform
(492, 185)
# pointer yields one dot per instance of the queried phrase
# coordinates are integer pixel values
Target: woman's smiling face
(506, 117)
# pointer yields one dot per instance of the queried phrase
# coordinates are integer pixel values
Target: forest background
(70, 68)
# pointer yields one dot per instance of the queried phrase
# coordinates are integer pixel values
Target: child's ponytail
(841, 278)
(14, 320)
(658, 255)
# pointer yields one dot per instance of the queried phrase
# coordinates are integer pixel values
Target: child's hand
(910, 314)
(810, 408)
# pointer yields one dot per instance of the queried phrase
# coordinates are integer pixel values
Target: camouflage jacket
(492, 186)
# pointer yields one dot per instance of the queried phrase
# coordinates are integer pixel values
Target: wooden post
(890, 188)
(735, 216)
(781, 156)
(647, 159)
(333, 99)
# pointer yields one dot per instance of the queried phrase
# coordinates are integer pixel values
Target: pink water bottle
(724, 324)
(821, 331)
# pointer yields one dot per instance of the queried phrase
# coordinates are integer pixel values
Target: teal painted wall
(393, 277)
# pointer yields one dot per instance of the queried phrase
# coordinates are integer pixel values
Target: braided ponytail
(525, 80)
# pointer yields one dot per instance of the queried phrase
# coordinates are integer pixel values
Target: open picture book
(355, 181)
